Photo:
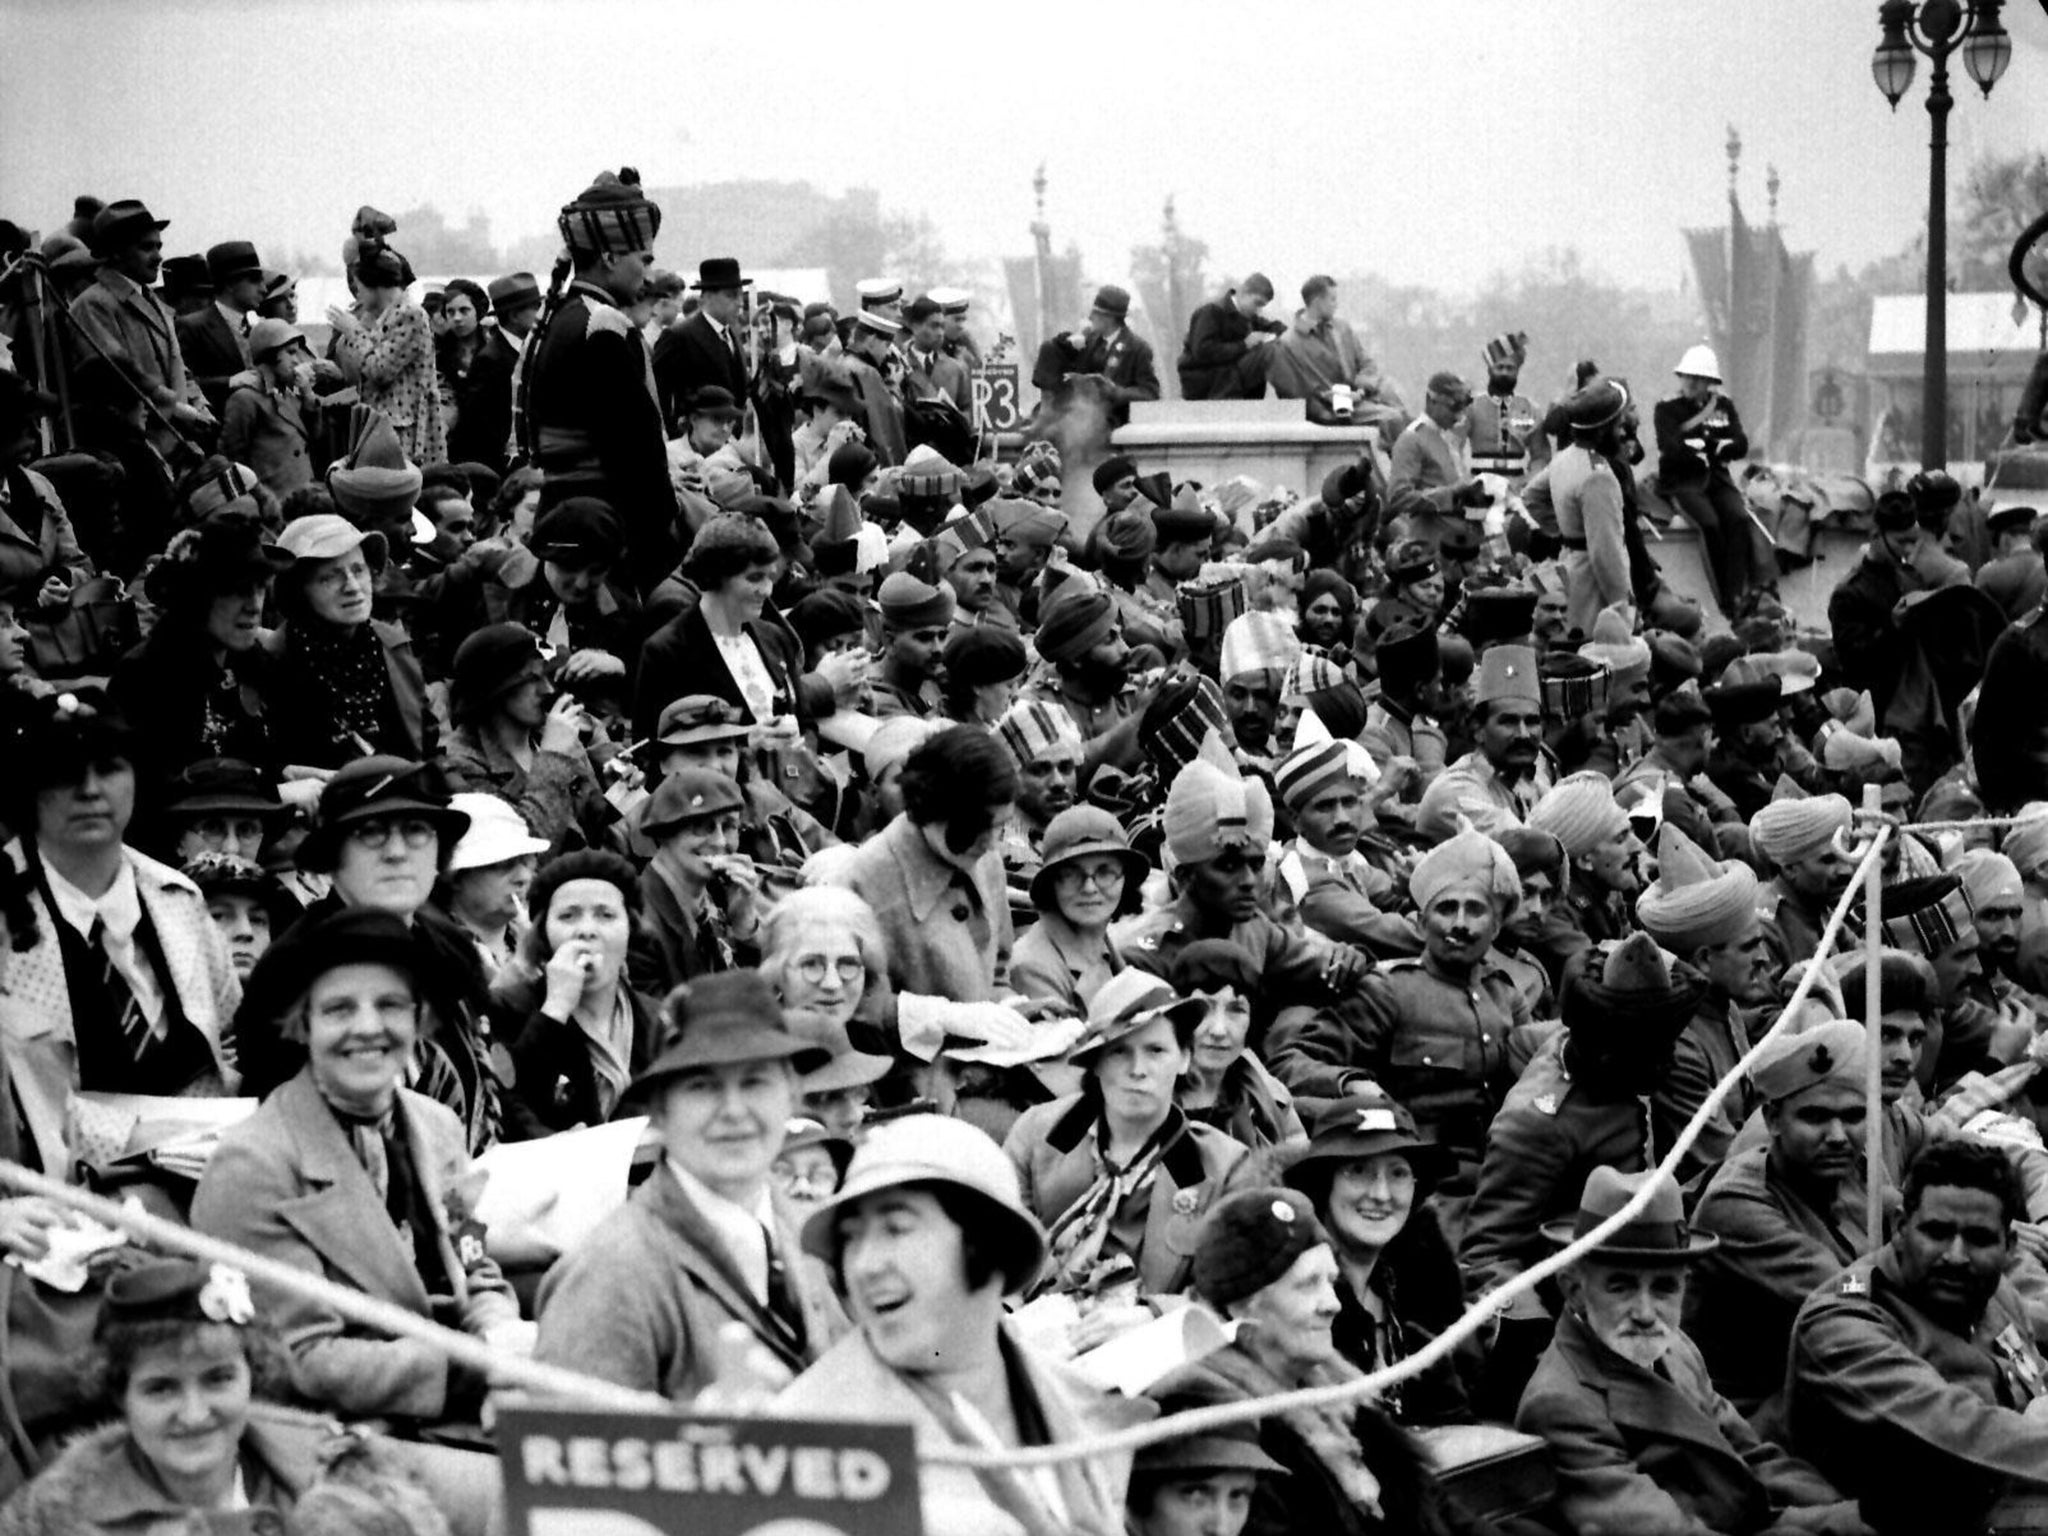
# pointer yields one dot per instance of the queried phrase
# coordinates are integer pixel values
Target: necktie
(134, 1022)
(781, 1298)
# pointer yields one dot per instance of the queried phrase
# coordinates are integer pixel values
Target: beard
(1099, 677)
(1642, 1347)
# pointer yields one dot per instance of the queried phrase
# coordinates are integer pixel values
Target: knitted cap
(1580, 811)
(1213, 807)
(1791, 829)
(1250, 1239)
(1696, 901)
(1469, 859)
(908, 603)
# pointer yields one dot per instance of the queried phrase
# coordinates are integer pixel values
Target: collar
(716, 1207)
(234, 317)
(120, 282)
(120, 909)
(743, 1231)
(927, 878)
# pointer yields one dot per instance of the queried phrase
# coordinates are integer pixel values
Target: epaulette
(605, 318)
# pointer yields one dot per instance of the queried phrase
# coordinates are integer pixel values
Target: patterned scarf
(349, 664)
(1077, 1238)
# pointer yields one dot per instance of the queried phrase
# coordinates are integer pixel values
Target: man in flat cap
(1914, 1381)
(1500, 780)
(1790, 1214)
(1225, 356)
(591, 421)
(1105, 359)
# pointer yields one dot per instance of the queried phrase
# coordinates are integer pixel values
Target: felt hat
(1572, 685)
(1696, 901)
(580, 533)
(1250, 1239)
(120, 224)
(936, 1149)
(1580, 811)
(1508, 672)
(218, 556)
(688, 795)
(1791, 1064)
(232, 259)
(1470, 859)
(512, 292)
(1075, 624)
(846, 1068)
(1083, 832)
(802, 1132)
(376, 789)
(1125, 1004)
(1212, 807)
(310, 949)
(1112, 469)
(178, 279)
(724, 1018)
(223, 785)
(1624, 988)
(1658, 1235)
(1111, 300)
(1225, 1448)
(496, 833)
(374, 481)
(697, 718)
(908, 603)
(271, 336)
(1367, 1124)
(714, 401)
(491, 662)
(328, 536)
(1798, 827)
(611, 216)
(715, 272)
(1261, 640)
(983, 655)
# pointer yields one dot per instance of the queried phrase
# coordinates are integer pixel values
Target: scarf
(1077, 1238)
(1329, 1432)
(349, 664)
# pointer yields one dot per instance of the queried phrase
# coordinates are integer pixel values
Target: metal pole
(1934, 377)
(1873, 1086)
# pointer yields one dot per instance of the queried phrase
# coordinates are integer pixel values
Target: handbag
(86, 636)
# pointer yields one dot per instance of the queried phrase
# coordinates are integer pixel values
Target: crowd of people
(611, 697)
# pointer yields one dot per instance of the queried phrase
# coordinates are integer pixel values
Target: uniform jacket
(1435, 1043)
(1471, 787)
(212, 353)
(135, 328)
(287, 1185)
(266, 430)
(690, 355)
(596, 424)
(1640, 1454)
(948, 934)
(1290, 963)
(1707, 1051)
(1777, 1249)
(302, 724)
(1337, 898)
(1549, 1135)
(1587, 499)
(558, 797)
(1388, 734)
(641, 1302)
(851, 1381)
(1917, 1422)
(1495, 449)
(35, 1006)
(1054, 1147)
(1689, 456)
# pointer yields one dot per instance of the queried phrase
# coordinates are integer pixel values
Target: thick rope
(560, 1385)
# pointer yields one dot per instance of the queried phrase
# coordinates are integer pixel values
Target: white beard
(1643, 1349)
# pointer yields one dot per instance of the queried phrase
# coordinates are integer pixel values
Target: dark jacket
(1689, 456)
(555, 1086)
(265, 429)
(2009, 733)
(681, 658)
(162, 687)
(1869, 649)
(212, 354)
(304, 726)
(1215, 342)
(483, 405)
(690, 355)
(1124, 359)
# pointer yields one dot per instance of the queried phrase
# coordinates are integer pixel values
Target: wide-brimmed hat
(1125, 1004)
(496, 834)
(724, 1018)
(1079, 832)
(1365, 1125)
(1626, 989)
(222, 784)
(375, 788)
(700, 717)
(1658, 1235)
(512, 292)
(935, 1149)
(803, 1132)
(847, 1068)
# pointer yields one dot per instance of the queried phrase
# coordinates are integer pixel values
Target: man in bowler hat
(709, 348)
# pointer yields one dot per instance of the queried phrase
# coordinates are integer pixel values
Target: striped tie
(134, 1022)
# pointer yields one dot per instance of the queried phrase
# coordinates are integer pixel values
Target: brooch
(1186, 1202)
(225, 1297)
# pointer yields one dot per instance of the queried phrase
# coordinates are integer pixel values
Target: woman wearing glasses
(346, 685)
(1089, 877)
(821, 949)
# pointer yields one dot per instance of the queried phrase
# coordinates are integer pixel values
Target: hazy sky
(1433, 140)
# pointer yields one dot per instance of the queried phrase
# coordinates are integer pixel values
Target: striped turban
(612, 217)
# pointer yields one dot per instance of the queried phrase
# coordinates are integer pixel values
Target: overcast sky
(1433, 140)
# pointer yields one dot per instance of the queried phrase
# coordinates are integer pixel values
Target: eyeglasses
(1102, 876)
(375, 833)
(355, 573)
(849, 968)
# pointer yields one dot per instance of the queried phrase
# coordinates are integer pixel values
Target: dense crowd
(553, 702)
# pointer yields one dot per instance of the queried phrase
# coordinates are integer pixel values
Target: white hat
(1699, 362)
(880, 324)
(497, 832)
(878, 290)
(952, 301)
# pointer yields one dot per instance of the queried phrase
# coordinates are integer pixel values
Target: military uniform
(1090, 719)
(1549, 1135)
(1777, 1248)
(1925, 1426)
(1473, 788)
(1340, 899)
(1683, 808)
(1792, 924)
(1707, 1051)
(1290, 964)
(890, 699)
(1433, 1041)
(1498, 449)
(1391, 732)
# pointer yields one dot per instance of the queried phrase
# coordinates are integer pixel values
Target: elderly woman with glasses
(345, 685)
(823, 953)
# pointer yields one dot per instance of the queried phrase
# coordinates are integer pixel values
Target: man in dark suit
(1224, 356)
(215, 337)
(707, 348)
(1104, 356)
(484, 432)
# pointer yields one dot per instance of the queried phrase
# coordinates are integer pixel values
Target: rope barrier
(560, 1385)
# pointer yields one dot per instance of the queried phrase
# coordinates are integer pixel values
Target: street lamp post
(1936, 28)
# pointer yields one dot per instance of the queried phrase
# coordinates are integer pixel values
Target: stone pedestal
(1273, 441)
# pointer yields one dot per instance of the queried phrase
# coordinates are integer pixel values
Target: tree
(2002, 195)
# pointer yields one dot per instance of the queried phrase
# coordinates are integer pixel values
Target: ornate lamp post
(1936, 28)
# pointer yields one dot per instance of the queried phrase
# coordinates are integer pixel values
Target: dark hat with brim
(1125, 1004)
(805, 1132)
(1366, 1125)
(120, 224)
(1081, 832)
(689, 795)
(716, 272)
(1228, 1448)
(713, 400)
(351, 936)
(723, 1019)
(217, 785)
(1658, 1234)
(232, 259)
(1626, 989)
(376, 789)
